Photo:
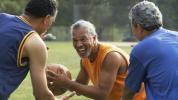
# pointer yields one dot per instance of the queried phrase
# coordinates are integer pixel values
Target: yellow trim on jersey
(24, 20)
(21, 47)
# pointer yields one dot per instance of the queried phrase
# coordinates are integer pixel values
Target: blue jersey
(13, 67)
(154, 61)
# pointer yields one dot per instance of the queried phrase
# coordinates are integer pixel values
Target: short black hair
(41, 8)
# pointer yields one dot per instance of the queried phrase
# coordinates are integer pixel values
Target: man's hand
(56, 80)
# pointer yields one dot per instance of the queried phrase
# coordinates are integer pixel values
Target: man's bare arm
(37, 53)
(108, 74)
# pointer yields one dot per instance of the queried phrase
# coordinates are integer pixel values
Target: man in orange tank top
(103, 64)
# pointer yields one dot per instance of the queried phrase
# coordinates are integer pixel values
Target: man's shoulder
(114, 50)
(149, 44)
(107, 46)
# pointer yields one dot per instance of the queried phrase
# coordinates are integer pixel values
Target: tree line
(109, 16)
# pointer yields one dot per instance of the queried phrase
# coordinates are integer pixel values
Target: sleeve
(136, 74)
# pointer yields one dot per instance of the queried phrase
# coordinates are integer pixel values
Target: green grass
(59, 52)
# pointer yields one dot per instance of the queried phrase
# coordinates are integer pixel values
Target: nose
(79, 44)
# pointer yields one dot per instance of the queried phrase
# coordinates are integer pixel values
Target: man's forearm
(88, 91)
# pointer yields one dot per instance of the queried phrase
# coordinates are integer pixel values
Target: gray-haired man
(154, 59)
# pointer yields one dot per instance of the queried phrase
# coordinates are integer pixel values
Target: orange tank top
(93, 70)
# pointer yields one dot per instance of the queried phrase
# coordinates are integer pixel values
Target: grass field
(59, 52)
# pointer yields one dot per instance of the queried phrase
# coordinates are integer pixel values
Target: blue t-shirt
(154, 61)
(13, 67)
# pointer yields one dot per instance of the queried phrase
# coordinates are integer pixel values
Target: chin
(83, 56)
(41, 32)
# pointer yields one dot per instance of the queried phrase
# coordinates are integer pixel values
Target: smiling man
(104, 64)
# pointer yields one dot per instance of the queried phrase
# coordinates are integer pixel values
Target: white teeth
(81, 49)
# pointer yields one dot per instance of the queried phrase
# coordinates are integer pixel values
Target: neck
(147, 33)
(94, 52)
(34, 22)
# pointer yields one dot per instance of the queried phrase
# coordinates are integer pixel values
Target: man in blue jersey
(154, 60)
(22, 49)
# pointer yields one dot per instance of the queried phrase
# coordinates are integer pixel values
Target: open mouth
(81, 51)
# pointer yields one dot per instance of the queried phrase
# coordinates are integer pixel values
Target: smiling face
(83, 41)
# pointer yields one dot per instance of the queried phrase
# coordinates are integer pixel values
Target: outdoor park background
(112, 25)
(109, 16)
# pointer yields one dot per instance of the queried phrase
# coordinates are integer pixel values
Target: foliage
(12, 6)
(106, 15)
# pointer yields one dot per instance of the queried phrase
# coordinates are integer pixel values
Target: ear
(139, 28)
(46, 20)
(94, 37)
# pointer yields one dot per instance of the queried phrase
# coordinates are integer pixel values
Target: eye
(83, 39)
(74, 40)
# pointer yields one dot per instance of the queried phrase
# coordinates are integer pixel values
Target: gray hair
(147, 15)
(86, 24)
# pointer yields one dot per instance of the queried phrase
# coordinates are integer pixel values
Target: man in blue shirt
(154, 60)
(23, 50)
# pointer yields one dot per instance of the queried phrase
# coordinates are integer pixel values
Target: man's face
(46, 23)
(83, 41)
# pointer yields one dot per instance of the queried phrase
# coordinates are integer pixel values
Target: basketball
(59, 69)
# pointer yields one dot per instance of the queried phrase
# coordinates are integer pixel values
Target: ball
(59, 69)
